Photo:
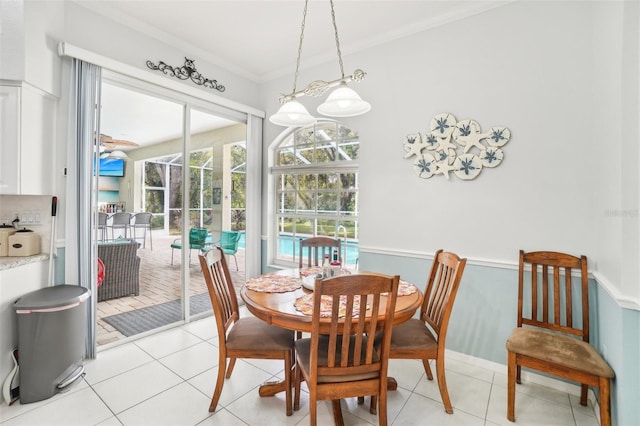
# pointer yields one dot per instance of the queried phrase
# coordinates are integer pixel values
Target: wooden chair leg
(382, 410)
(605, 397)
(442, 384)
(511, 385)
(583, 394)
(373, 407)
(337, 412)
(287, 381)
(296, 399)
(219, 384)
(232, 363)
(427, 368)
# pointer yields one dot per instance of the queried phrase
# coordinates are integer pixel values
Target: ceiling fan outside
(109, 143)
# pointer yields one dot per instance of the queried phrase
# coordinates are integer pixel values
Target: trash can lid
(52, 297)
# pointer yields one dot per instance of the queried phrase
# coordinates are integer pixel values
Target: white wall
(617, 132)
(528, 66)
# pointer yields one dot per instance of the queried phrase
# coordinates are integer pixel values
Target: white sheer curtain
(84, 125)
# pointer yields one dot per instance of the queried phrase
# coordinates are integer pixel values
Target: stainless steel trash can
(51, 339)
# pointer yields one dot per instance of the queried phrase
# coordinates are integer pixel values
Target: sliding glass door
(178, 156)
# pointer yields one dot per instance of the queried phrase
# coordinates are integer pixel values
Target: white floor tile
(529, 410)
(420, 410)
(126, 390)
(115, 361)
(535, 390)
(163, 344)
(78, 408)
(17, 408)
(192, 361)
(465, 392)
(180, 405)
(407, 372)
(245, 378)
(222, 417)
(205, 328)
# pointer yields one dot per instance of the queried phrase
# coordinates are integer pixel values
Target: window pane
(154, 201)
(348, 203)
(312, 195)
(306, 202)
(327, 203)
(154, 174)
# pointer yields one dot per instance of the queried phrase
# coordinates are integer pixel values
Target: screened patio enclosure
(161, 190)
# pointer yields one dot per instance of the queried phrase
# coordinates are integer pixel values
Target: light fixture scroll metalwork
(187, 71)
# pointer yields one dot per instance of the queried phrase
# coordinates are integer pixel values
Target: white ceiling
(258, 39)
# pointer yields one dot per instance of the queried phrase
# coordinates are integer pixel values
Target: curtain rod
(69, 50)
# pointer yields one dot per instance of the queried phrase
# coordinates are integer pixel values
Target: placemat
(274, 283)
(304, 304)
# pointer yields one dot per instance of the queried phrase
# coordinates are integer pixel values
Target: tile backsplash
(34, 213)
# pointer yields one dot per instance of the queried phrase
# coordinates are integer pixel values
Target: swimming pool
(288, 246)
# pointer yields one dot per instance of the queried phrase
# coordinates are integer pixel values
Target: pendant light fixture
(342, 102)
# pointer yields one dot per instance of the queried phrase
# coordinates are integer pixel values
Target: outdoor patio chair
(120, 220)
(197, 241)
(229, 244)
(142, 221)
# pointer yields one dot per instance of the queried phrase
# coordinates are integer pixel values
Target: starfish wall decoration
(436, 153)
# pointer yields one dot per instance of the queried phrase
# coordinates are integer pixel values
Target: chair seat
(413, 335)
(253, 333)
(303, 348)
(558, 349)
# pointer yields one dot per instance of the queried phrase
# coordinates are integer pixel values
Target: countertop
(14, 262)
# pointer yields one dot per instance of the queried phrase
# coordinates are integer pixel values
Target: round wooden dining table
(278, 308)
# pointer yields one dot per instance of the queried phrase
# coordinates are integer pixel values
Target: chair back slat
(356, 316)
(550, 274)
(221, 291)
(442, 286)
(313, 250)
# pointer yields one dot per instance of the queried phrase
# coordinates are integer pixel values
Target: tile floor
(168, 379)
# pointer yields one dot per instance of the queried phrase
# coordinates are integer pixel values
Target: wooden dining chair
(424, 338)
(238, 337)
(340, 359)
(313, 250)
(552, 336)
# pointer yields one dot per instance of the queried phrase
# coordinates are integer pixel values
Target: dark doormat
(145, 319)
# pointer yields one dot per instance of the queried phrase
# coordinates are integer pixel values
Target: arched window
(314, 189)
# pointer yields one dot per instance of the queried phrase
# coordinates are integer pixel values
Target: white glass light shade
(292, 113)
(344, 102)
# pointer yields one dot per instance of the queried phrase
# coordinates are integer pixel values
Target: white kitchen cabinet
(27, 139)
(9, 139)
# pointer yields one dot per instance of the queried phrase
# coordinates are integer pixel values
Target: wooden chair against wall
(313, 250)
(550, 337)
(424, 337)
(341, 360)
(238, 337)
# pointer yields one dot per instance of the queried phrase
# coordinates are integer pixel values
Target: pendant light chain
(304, 18)
(335, 29)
